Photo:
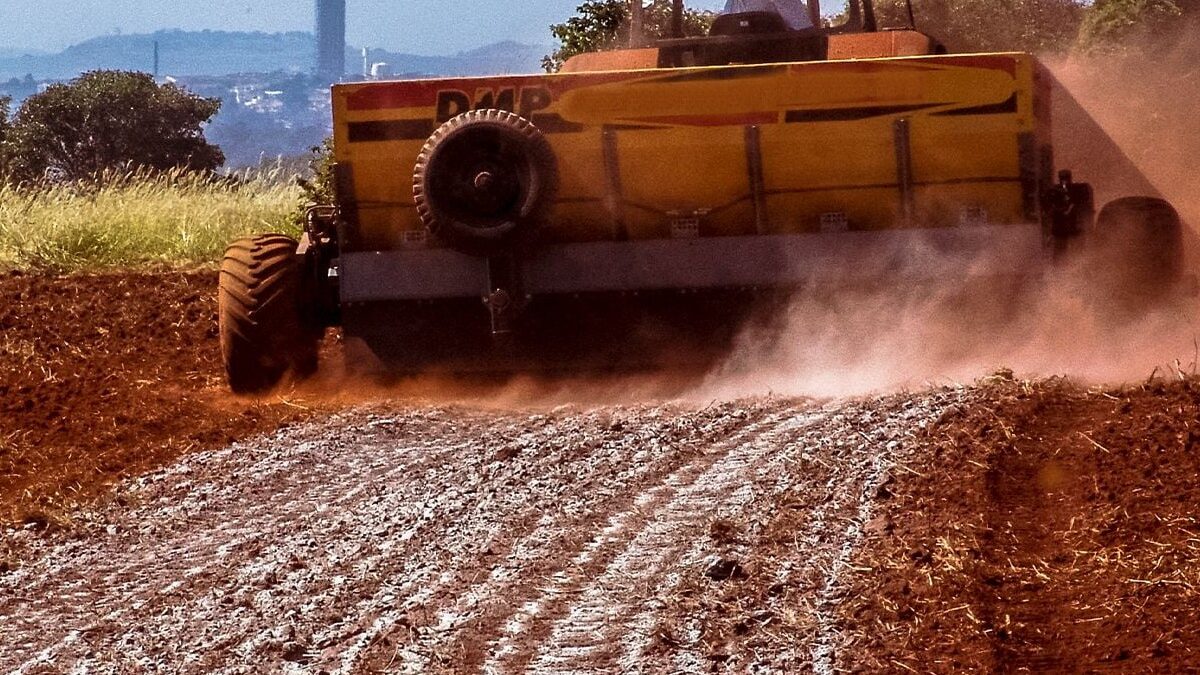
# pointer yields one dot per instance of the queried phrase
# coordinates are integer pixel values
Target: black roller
(1140, 243)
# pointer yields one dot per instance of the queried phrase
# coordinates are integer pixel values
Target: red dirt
(1040, 528)
(104, 377)
(1007, 527)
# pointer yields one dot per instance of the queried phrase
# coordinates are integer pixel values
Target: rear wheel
(265, 332)
(1140, 248)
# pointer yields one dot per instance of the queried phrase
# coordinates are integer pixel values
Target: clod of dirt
(724, 569)
(723, 531)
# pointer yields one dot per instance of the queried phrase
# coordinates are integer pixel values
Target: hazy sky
(415, 26)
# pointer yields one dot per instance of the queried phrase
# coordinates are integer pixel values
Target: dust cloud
(851, 343)
(1147, 99)
(352, 378)
(845, 343)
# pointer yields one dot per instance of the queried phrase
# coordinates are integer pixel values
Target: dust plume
(349, 377)
(855, 342)
(1146, 98)
(844, 342)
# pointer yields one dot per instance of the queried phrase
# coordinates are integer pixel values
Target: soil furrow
(593, 618)
(498, 523)
(825, 483)
(614, 479)
(759, 535)
(201, 542)
(529, 613)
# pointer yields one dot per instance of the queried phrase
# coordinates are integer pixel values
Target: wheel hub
(484, 180)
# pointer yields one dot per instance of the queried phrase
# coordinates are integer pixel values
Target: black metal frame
(703, 264)
(768, 43)
(318, 255)
(861, 19)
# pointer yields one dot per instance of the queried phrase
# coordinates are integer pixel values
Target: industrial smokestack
(331, 39)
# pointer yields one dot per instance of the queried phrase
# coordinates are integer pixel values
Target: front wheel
(262, 315)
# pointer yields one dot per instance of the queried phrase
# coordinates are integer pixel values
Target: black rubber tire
(263, 329)
(1140, 249)
(521, 188)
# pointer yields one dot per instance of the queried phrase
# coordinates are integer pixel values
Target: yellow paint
(961, 164)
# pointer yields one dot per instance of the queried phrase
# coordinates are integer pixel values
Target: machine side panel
(725, 151)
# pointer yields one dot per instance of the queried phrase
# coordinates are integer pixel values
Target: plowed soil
(1035, 528)
(104, 377)
(1003, 527)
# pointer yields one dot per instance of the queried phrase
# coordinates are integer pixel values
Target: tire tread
(262, 330)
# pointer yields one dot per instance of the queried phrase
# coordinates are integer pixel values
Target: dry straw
(174, 219)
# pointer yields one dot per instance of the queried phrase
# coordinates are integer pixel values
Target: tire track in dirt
(636, 648)
(873, 467)
(440, 497)
(569, 569)
(613, 480)
(843, 486)
(244, 542)
(412, 541)
(751, 502)
(516, 523)
(233, 513)
(833, 475)
(401, 527)
(590, 621)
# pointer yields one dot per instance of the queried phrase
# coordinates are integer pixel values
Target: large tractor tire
(485, 181)
(1140, 251)
(263, 326)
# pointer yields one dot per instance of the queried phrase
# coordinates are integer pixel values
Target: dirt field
(1031, 528)
(1001, 527)
(104, 377)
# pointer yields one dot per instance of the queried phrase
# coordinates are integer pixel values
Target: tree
(106, 121)
(318, 187)
(1112, 25)
(604, 24)
(5, 101)
(1039, 26)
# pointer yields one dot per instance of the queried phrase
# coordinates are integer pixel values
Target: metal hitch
(1070, 210)
(505, 299)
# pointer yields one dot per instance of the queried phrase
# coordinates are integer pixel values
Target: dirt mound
(104, 377)
(1033, 528)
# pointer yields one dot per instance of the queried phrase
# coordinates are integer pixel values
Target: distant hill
(9, 52)
(190, 53)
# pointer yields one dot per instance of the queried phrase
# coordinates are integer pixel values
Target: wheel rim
(484, 178)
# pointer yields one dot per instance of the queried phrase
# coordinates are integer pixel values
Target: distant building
(331, 39)
(381, 70)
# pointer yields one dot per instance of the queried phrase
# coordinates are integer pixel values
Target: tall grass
(137, 220)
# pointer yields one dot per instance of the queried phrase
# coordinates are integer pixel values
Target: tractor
(644, 203)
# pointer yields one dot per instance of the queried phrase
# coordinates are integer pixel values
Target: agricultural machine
(638, 204)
